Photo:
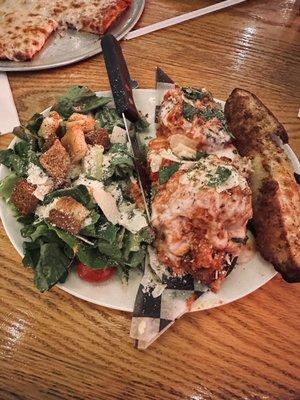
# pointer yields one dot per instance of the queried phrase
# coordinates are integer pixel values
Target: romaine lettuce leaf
(6, 186)
(35, 122)
(121, 163)
(92, 257)
(133, 241)
(13, 161)
(108, 118)
(142, 124)
(79, 193)
(35, 142)
(79, 99)
(51, 267)
(110, 250)
(18, 158)
(49, 253)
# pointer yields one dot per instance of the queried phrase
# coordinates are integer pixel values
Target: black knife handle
(119, 77)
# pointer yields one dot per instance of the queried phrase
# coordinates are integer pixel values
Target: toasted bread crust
(98, 136)
(23, 198)
(68, 214)
(56, 161)
(276, 195)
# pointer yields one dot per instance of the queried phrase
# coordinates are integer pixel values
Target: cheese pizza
(23, 34)
(89, 16)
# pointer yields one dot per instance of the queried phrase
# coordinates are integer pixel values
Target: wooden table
(55, 346)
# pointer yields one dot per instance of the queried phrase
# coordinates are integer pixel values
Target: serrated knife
(120, 84)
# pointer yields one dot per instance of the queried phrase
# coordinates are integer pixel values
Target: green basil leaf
(201, 154)
(220, 176)
(165, 173)
(193, 94)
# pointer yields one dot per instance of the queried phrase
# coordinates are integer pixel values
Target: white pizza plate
(243, 280)
(74, 46)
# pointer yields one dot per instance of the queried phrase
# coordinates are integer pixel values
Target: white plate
(75, 46)
(243, 280)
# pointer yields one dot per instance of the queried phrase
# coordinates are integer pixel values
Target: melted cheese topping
(204, 174)
(207, 131)
(22, 34)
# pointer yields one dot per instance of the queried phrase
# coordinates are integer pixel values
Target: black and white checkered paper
(162, 298)
(159, 302)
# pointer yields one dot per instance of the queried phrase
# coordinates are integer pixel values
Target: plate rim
(149, 93)
(16, 68)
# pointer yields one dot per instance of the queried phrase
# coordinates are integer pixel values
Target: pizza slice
(89, 16)
(23, 34)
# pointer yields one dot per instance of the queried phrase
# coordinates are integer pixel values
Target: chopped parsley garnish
(193, 94)
(166, 172)
(220, 176)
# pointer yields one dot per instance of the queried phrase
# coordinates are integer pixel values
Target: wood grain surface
(55, 346)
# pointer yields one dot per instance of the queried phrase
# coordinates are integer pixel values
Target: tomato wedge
(94, 275)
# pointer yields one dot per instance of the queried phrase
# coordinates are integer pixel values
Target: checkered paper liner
(162, 298)
(159, 302)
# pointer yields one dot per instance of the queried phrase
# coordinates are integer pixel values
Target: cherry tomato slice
(95, 275)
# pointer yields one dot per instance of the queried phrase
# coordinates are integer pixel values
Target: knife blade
(120, 84)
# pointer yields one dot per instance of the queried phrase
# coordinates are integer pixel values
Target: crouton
(68, 214)
(23, 198)
(86, 122)
(74, 142)
(56, 161)
(98, 136)
(49, 128)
